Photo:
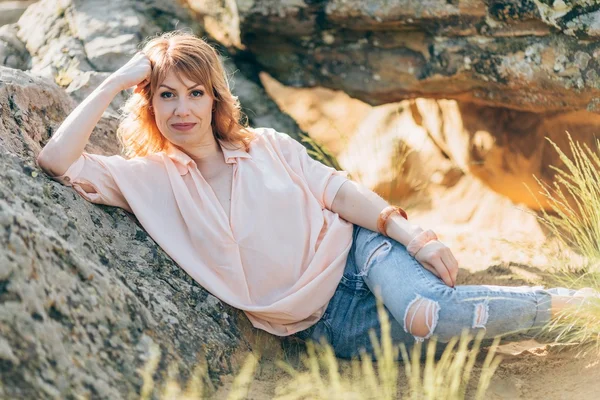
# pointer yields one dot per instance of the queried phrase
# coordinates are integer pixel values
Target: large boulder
(86, 295)
(508, 149)
(518, 71)
(79, 43)
(529, 55)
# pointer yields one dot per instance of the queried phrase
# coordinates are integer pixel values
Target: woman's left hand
(437, 258)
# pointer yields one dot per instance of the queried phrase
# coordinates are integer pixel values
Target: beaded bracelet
(385, 214)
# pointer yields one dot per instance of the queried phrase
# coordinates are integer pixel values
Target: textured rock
(527, 55)
(13, 53)
(11, 10)
(402, 157)
(85, 293)
(77, 43)
(506, 148)
(413, 144)
(520, 71)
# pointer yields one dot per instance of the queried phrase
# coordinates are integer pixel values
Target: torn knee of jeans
(376, 255)
(421, 318)
(481, 314)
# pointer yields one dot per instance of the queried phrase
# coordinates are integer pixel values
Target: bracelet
(385, 214)
(419, 241)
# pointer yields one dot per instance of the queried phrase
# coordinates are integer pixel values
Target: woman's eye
(195, 93)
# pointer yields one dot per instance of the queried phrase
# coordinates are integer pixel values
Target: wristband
(419, 241)
(385, 214)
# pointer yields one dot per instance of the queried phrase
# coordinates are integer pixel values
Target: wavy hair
(190, 56)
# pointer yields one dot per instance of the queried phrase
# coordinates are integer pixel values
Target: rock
(329, 116)
(78, 43)
(415, 146)
(524, 55)
(10, 11)
(85, 294)
(13, 53)
(82, 295)
(519, 71)
(507, 148)
(393, 154)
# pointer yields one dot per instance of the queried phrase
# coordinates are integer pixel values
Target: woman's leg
(352, 312)
(424, 305)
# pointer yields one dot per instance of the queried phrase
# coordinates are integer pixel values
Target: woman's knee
(421, 317)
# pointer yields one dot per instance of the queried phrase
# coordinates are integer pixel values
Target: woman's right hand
(136, 72)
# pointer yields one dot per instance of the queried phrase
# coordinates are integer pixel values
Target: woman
(253, 219)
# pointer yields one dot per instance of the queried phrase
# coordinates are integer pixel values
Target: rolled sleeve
(323, 181)
(333, 186)
(93, 171)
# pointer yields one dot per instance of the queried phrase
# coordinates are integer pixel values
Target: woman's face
(183, 111)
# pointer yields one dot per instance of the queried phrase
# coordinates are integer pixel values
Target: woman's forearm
(357, 204)
(68, 142)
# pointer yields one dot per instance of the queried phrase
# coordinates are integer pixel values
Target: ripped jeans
(410, 294)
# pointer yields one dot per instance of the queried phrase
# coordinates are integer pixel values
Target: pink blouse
(281, 255)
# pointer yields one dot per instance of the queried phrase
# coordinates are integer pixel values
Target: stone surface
(85, 293)
(527, 55)
(77, 43)
(13, 53)
(392, 152)
(506, 148)
(403, 148)
(10, 11)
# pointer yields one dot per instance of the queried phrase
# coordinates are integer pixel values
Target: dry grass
(574, 220)
(320, 377)
(446, 378)
(574, 198)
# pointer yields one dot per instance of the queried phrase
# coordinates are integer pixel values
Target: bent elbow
(46, 165)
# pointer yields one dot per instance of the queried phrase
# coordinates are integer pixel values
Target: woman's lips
(183, 127)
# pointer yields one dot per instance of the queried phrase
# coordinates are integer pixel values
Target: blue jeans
(376, 262)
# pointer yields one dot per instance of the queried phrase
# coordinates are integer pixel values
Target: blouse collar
(182, 160)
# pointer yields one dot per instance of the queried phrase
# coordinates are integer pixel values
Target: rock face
(392, 152)
(11, 10)
(85, 293)
(520, 71)
(531, 55)
(415, 143)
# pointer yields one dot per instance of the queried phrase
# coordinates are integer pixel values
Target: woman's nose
(182, 108)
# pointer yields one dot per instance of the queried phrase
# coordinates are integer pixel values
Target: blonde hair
(190, 56)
